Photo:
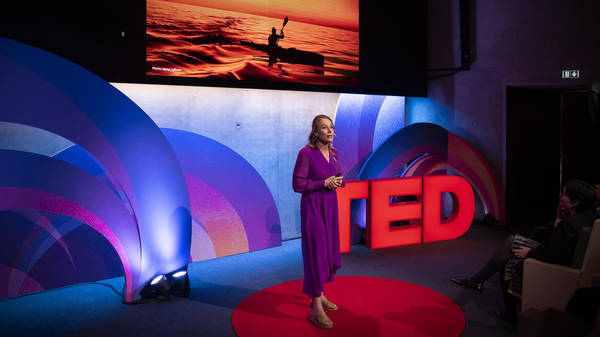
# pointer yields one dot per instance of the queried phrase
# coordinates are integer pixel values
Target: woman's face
(566, 203)
(324, 131)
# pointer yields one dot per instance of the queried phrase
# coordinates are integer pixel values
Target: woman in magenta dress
(317, 175)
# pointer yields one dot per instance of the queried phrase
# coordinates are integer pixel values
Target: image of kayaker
(273, 39)
(261, 43)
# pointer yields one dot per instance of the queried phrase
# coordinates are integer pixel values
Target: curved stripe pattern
(229, 198)
(423, 148)
(52, 251)
(45, 91)
(41, 186)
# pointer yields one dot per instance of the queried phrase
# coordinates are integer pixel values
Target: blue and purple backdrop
(101, 180)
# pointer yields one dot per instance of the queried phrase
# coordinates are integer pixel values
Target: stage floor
(219, 285)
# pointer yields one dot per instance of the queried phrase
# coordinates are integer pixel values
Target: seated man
(273, 47)
(576, 210)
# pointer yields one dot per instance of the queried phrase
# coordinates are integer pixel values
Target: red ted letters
(381, 211)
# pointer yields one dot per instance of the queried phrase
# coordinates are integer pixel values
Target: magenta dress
(319, 218)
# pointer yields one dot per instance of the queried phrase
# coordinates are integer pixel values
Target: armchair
(551, 286)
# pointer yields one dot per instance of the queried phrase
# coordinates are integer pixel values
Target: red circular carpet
(368, 307)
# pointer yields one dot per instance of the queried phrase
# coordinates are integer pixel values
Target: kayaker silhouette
(273, 39)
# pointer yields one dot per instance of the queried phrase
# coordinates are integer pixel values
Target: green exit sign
(570, 74)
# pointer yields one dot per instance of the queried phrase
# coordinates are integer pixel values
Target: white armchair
(551, 286)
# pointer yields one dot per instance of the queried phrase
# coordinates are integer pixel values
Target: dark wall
(516, 43)
(88, 33)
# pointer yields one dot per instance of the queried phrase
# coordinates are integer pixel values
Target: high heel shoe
(314, 319)
(329, 306)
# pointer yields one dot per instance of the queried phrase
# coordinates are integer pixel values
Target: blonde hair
(313, 139)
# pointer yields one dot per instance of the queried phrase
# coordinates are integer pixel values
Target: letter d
(463, 207)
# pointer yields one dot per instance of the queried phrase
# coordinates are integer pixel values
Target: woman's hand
(333, 182)
(521, 252)
(557, 221)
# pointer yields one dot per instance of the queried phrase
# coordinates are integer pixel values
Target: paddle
(284, 22)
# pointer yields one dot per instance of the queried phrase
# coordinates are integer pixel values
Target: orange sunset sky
(333, 13)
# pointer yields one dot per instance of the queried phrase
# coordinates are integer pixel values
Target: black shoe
(467, 283)
(506, 316)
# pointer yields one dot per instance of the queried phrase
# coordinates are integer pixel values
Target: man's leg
(497, 262)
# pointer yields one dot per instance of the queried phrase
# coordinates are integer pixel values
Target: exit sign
(570, 74)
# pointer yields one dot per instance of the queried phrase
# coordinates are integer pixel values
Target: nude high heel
(314, 319)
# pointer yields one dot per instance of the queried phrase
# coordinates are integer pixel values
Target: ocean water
(193, 41)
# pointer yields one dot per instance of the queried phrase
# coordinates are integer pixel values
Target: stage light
(162, 286)
(159, 288)
(180, 283)
(156, 279)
